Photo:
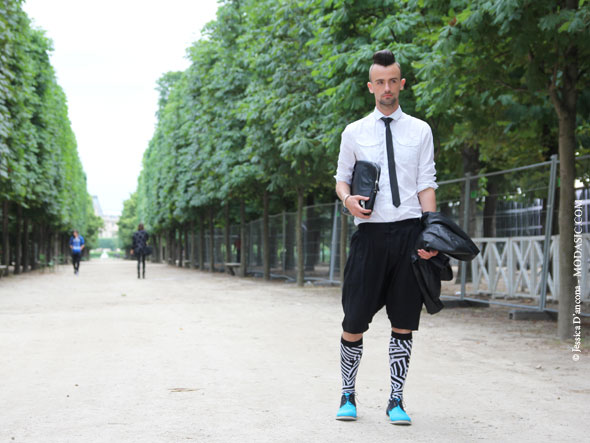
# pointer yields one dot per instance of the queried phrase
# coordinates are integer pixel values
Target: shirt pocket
(407, 153)
(368, 149)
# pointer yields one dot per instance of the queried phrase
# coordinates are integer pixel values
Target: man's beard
(388, 101)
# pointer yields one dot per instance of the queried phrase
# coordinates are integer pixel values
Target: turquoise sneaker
(347, 411)
(396, 413)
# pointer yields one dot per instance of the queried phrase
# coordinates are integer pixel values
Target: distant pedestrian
(139, 247)
(76, 246)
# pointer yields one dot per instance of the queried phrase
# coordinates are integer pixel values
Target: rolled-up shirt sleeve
(346, 158)
(426, 170)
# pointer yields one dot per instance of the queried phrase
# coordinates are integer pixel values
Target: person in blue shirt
(77, 246)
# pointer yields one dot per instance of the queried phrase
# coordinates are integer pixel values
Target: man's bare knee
(351, 337)
(401, 331)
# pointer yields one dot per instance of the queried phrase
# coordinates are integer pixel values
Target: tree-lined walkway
(190, 356)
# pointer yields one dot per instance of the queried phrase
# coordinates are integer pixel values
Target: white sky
(107, 57)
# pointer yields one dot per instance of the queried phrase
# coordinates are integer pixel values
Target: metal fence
(507, 214)
(512, 216)
(321, 244)
(318, 245)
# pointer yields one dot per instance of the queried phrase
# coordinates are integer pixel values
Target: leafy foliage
(40, 170)
(128, 222)
(273, 84)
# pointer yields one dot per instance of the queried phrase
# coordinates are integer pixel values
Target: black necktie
(391, 161)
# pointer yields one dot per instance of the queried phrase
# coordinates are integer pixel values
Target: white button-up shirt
(364, 139)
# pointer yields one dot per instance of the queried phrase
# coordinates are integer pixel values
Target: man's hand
(132, 252)
(426, 255)
(353, 205)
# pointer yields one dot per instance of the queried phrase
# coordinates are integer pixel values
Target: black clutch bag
(365, 182)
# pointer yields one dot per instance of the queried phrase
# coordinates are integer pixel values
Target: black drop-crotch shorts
(379, 273)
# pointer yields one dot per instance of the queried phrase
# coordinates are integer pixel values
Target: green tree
(42, 183)
(272, 85)
(128, 222)
(527, 53)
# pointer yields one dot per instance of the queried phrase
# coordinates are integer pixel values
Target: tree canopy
(273, 84)
(41, 176)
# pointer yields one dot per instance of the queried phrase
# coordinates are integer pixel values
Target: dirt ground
(190, 356)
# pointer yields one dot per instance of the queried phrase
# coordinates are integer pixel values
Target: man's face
(385, 84)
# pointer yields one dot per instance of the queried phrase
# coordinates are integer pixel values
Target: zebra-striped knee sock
(400, 349)
(350, 358)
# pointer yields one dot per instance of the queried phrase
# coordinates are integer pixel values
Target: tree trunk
(489, 209)
(211, 241)
(312, 236)
(567, 282)
(41, 246)
(202, 241)
(183, 237)
(227, 235)
(49, 246)
(26, 247)
(273, 244)
(174, 247)
(170, 247)
(471, 164)
(34, 245)
(188, 257)
(565, 107)
(62, 248)
(5, 242)
(299, 237)
(179, 243)
(66, 248)
(56, 249)
(153, 241)
(289, 260)
(243, 240)
(265, 237)
(43, 252)
(193, 245)
(18, 240)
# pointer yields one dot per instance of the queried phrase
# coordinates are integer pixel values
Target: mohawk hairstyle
(384, 58)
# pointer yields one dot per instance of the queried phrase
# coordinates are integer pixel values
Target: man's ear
(403, 82)
(370, 86)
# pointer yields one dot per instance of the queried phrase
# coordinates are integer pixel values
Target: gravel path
(189, 356)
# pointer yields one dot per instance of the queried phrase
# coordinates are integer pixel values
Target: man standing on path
(378, 271)
(139, 247)
(76, 246)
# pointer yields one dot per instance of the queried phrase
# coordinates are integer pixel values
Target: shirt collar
(377, 114)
